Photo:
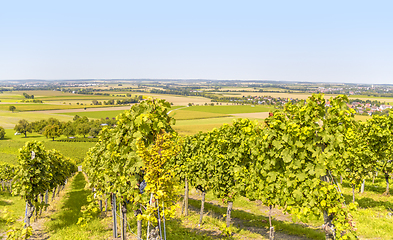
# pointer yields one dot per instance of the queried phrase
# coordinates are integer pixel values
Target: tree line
(52, 127)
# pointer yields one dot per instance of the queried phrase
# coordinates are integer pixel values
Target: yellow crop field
(184, 114)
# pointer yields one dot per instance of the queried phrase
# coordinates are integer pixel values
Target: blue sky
(325, 41)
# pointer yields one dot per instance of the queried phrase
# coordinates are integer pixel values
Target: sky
(314, 41)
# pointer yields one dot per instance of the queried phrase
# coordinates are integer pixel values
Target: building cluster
(368, 108)
(267, 100)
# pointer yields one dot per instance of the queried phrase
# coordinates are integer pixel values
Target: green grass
(231, 109)
(63, 223)
(14, 204)
(210, 228)
(371, 218)
(9, 146)
(74, 150)
(98, 114)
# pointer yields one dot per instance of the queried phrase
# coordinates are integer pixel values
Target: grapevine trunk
(202, 207)
(229, 210)
(124, 221)
(186, 198)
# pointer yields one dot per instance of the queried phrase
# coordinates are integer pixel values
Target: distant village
(369, 108)
(361, 107)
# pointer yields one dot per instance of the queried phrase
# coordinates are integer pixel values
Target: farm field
(187, 114)
(232, 109)
(24, 107)
(272, 94)
(10, 145)
(372, 98)
(362, 118)
(9, 119)
(57, 97)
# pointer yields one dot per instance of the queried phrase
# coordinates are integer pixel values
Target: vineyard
(295, 160)
(39, 171)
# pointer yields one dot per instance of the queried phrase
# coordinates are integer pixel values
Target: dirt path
(39, 230)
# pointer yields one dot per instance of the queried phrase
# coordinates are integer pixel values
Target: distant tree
(12, 108)
(2, 132)
(69, 129)
(52, 131)
(53, 121)
(94, 131)
(95, 102)
(38, 126)
(76, 117)
(23, 126)
(83, 119)
(83, 129)
(28, 96)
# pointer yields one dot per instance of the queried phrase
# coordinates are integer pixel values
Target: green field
(96, 114)
(10, 145)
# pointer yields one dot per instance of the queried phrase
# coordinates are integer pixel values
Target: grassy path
(62, 224)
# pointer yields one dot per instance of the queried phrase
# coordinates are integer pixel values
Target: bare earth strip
(82, 110)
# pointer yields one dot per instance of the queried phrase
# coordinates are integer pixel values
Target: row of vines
(38, 173)
(293, 160)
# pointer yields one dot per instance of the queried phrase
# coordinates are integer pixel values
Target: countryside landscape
(75, 117)
(196, 120)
